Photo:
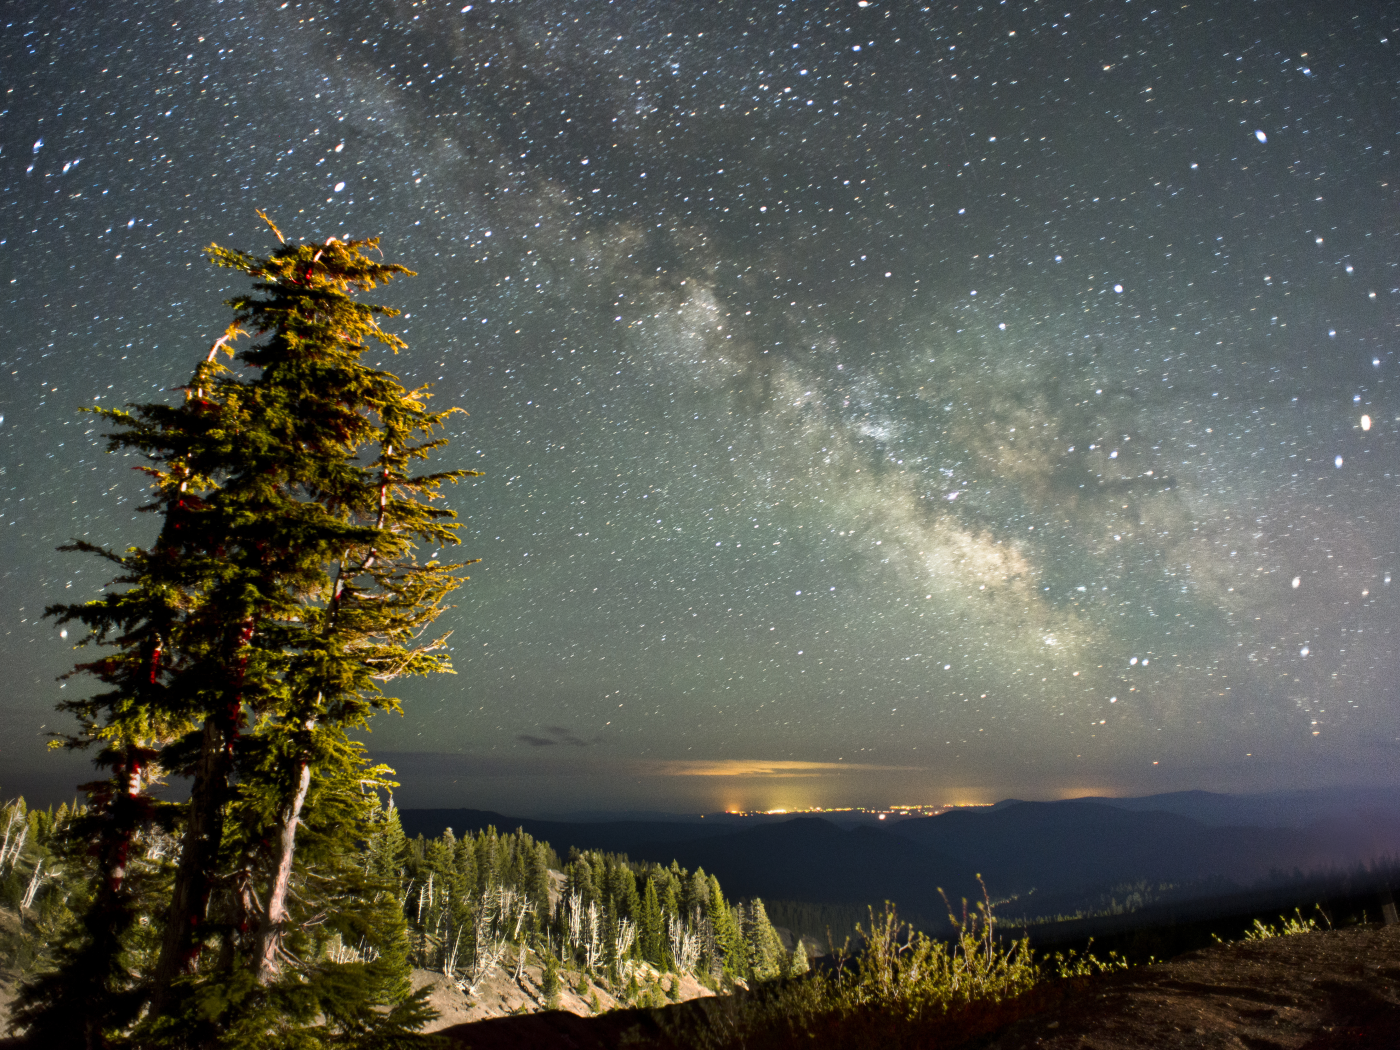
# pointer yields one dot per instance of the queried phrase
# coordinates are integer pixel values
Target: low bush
(902, 989)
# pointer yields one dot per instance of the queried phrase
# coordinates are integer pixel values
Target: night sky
(877, 402)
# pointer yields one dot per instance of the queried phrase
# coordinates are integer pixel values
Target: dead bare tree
(34, 882)
(13, 816)
(499, 917)
(574, 925)
(342, 953)
(14, 850)
(488, 955)
(449, 958)
(622, 944)
(523, 907)
(685, 945)
(425, 897)
(593, 946)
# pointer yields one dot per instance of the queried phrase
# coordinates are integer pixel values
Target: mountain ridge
(1057, 850)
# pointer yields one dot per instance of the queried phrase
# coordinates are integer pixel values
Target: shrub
(1286, 927)
(550, 984)
(901, 982)
(1073, 964)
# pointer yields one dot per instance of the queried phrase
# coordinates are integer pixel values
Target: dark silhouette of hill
(1068, 852)
(1057, 846)
(1276, 809)
(806, 858)
(1076, 845)
(811, 859)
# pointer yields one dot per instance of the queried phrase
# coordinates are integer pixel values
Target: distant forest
(469, 906)
(473, 902)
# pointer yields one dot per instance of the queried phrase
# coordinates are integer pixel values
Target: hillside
(501, 995)
(1316, 990)
(1057, 857)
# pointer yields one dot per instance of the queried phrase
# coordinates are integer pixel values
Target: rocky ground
(500, 995)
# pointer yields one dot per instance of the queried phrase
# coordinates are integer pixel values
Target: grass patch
(903, 989)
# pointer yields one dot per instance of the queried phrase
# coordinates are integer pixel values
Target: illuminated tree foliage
(245, 646)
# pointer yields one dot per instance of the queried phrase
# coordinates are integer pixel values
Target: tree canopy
(241, 651)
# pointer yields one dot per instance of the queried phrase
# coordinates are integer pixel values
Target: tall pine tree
(252, 638)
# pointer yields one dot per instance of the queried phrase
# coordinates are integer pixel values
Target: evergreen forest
(468, 908)
(271, 899)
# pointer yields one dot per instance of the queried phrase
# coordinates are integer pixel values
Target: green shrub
(901, 981)
(1286, 927)
(550, 984)
(1073, 964)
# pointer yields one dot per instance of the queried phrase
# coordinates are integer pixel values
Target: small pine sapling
(550, 984)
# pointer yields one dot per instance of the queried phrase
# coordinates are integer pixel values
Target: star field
(932, 402)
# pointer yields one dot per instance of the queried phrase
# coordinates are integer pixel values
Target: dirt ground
(500, 995)
(1313, 990)
(1316, 991)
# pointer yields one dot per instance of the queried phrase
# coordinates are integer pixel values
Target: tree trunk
(204, 834)
(199, 856)
(275, 915)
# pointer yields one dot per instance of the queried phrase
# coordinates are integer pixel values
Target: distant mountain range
(1275, 809)
(1051, 854)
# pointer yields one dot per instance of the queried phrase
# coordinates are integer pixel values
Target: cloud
(557, 735)
(739, 767)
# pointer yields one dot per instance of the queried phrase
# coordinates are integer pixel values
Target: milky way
(876, 402)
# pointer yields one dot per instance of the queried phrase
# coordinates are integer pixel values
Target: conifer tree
(728, 937)
(550, 984)
(250, 640)
(148, 617)
(671, 905)
(766, 957)
(697, 892)
(628, 899)
(388, 845)
(799, 964)
(465, 863)
(651, 928)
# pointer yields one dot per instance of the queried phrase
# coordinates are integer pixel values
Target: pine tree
(651, 928)
(671, 905)
(766, 957)
(148, 615)
(251, 639)
(728, 937)
(799, 964)
(387, 849)
(628, 899)
(697, 892)
(465, 863)
(340, 534)
(551, 987)
(537, 881)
